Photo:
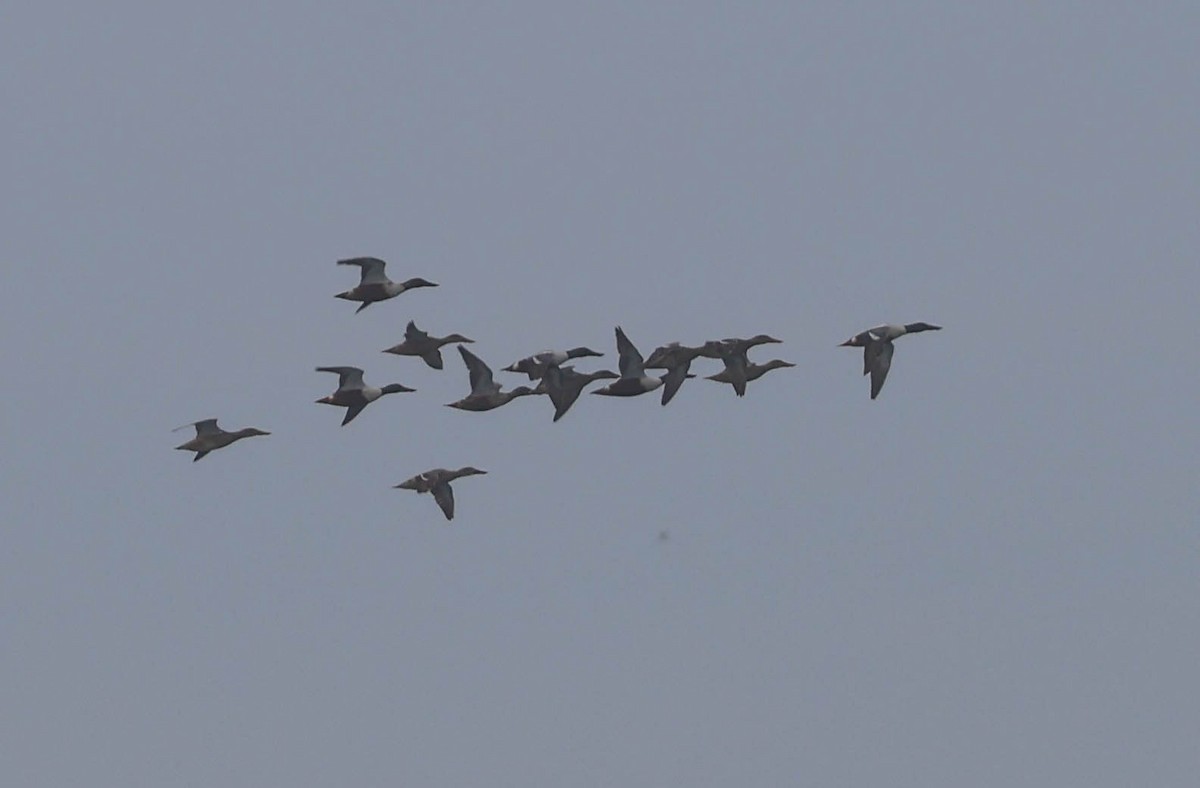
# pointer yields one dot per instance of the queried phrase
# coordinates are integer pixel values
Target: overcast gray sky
(988, 576)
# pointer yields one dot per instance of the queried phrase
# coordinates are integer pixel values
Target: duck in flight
(353, 394)
(564, 385)
(718, 347)
(419, 343)
(535, 366)
(733, 353)
(485, 391)
(738, 372)
(437, 481)
(878, 349)
(374, 285)
(633, 380)
(677, 360)
(210, 437)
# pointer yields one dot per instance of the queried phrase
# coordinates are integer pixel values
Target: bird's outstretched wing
(352, 411)
(674, 379)
(445, 499)
(414, 334)
(880, 362)
(348, 377)
(372, 269)
(479, 373)
(203, 427)
(630, 363)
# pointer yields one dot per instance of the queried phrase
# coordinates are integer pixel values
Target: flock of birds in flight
(555, 378)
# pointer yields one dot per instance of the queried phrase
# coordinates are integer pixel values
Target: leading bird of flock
(210, 437)
(878, 349)
(373, 284)
(437, 481)
(353, 394)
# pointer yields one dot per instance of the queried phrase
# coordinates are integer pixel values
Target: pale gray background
(987, 577)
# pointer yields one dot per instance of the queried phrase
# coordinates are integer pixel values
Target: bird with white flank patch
(878, 349)
(353, 394)
(535, 366)
(373, 284)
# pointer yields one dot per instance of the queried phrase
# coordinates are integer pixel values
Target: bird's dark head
(409, 284)
(521, 391)
(913, 328)
(470, 471)
(395, 388)
(457, 338)
(250, 432)
(603, 374)
(580, 352)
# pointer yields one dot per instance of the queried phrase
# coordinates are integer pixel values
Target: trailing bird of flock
(556, 379)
